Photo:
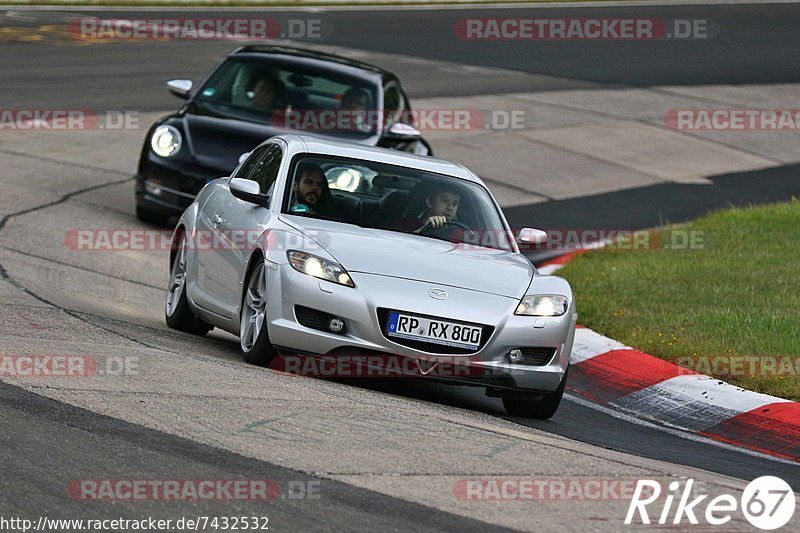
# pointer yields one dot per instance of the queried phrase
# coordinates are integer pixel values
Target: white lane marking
(548, 270)
(675, 432)
(693, 402)
(589, 344)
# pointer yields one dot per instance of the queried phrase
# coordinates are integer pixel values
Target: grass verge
(723, 301)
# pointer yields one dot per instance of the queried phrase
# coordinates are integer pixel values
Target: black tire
(151, 217)
(177, 312)
(542, 409)
(259, 352)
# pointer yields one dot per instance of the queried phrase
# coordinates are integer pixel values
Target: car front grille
(538, 356)
(311, 318)
(432, 347)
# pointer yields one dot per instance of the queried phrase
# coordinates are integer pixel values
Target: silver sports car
(334, 259)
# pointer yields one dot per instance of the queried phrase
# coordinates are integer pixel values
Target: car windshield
(291, 96)
(394, 198)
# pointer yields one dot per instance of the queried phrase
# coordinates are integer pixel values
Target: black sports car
(257, 92)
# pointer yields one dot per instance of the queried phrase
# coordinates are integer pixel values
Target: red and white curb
(614, 375)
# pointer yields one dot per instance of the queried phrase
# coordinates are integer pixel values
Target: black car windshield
(389, 197)
(293, 97)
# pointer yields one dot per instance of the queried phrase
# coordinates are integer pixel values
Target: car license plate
(435, 331)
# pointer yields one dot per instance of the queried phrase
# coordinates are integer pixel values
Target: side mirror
(180, 88)
(402, 132)
(532, 236)
(248, 190)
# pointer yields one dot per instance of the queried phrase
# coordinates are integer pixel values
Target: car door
(211, 291)
(240, 223)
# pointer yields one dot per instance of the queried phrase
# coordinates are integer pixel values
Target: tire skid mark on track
(155, 394)
(4, 275)
(517, 188)
(93, 320)
(84, 269)
(65, 163)
(70, 312)
(61, 200)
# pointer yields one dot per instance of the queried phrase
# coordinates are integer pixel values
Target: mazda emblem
(438, 294)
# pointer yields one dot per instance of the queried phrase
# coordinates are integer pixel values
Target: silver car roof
(299, 143)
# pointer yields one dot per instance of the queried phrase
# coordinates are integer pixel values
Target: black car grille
(311, 318)
(539, 356)
(432, 347)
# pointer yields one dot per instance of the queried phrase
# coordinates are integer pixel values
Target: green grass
(738, 296)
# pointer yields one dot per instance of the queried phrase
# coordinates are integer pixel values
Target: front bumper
(169, 186)
(360, 309)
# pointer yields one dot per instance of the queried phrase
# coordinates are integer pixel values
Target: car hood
(218, 141)
(401, 255)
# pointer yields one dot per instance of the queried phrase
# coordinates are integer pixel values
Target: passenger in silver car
(311, 194)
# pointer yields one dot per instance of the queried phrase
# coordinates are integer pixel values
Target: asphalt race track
(756, 46)
(195, 411)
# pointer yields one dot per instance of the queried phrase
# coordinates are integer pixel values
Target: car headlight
(318, 267)
(542, 305)
(166, 141)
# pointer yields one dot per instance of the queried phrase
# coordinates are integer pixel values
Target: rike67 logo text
(767, 503)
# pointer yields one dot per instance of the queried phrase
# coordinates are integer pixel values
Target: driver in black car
(259, 89)
(442, 208)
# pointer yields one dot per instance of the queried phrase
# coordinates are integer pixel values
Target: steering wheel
(458, 225)
(451, 223)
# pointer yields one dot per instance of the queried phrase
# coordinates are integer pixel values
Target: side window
(246, 168)
(391, 98)
(394, 104)
(266, 171)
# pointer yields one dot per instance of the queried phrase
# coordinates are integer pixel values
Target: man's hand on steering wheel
(434, 222)
(434, 225)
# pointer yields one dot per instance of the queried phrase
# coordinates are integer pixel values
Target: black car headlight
(542, 305)
(166, 141)
(319, 267)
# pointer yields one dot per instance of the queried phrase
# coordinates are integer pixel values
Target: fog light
(152, 188)
(515, 355)
(336, 325)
